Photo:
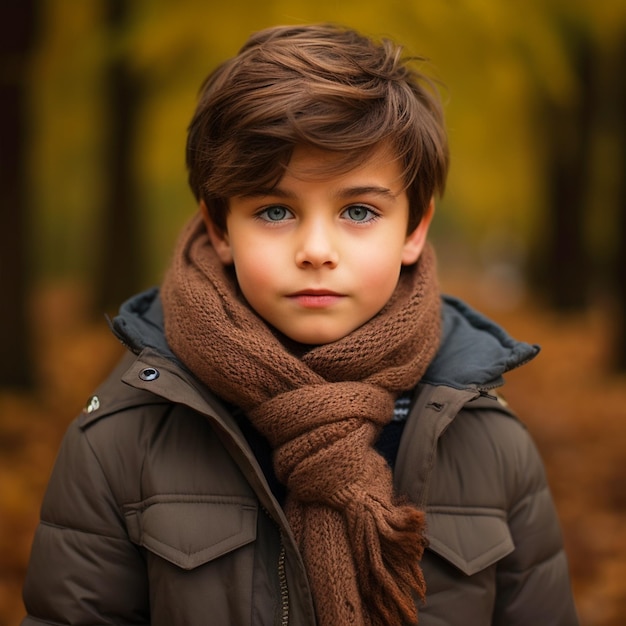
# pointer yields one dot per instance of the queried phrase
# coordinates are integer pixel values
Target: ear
(219, 239)
(416, 240)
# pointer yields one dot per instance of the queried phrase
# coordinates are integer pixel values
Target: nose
(317, 246)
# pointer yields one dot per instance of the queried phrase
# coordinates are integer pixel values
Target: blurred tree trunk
(120, 258)
(563, 270)
(619, 258)
(620, 269)
(17, 37)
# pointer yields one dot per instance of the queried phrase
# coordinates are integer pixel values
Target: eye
(360, 213)
(275, 213)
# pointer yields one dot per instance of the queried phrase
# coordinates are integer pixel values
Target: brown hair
(322, 86)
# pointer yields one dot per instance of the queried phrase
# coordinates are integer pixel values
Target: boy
(303, 431)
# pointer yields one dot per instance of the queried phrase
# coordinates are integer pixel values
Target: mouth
(314, 292)
(315, 298)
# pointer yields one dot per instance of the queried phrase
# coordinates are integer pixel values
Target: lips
(316, 298)
(314, 292)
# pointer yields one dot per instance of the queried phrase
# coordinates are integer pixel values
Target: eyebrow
(366, 190)
(343, 194)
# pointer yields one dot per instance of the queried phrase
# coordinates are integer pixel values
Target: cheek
(253, 278)
(380, 270)
(381, 283)
(256, 268)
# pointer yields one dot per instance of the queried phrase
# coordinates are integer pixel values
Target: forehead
(309, 163)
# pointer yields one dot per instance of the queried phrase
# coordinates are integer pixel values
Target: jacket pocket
(470, 539)
(189, 531)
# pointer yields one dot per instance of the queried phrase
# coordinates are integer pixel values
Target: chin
(317, 338)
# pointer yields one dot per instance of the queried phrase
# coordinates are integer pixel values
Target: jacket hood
(474, 352)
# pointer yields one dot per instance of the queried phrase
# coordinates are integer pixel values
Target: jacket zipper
(284, 590)
(282, 575)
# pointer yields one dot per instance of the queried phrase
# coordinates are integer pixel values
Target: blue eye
(359, 213)
(274, 213)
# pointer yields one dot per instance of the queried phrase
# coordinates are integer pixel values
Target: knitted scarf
(321, 409)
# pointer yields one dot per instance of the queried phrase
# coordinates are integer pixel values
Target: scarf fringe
(388, 543)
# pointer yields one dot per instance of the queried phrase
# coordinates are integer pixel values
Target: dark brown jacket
(157, 511)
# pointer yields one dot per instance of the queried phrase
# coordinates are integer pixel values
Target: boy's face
(318, 257)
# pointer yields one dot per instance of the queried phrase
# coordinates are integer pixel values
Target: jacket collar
(475, 352)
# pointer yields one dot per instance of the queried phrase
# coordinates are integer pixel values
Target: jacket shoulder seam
(86, 420)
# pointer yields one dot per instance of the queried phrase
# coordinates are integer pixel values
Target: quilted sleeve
(533, 581)
(83, 568)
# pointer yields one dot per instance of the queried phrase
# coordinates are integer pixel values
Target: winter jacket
(157, 511)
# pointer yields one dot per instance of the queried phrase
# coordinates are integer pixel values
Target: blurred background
(95, 99)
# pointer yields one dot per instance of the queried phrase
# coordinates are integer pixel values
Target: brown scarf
(322, 413)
